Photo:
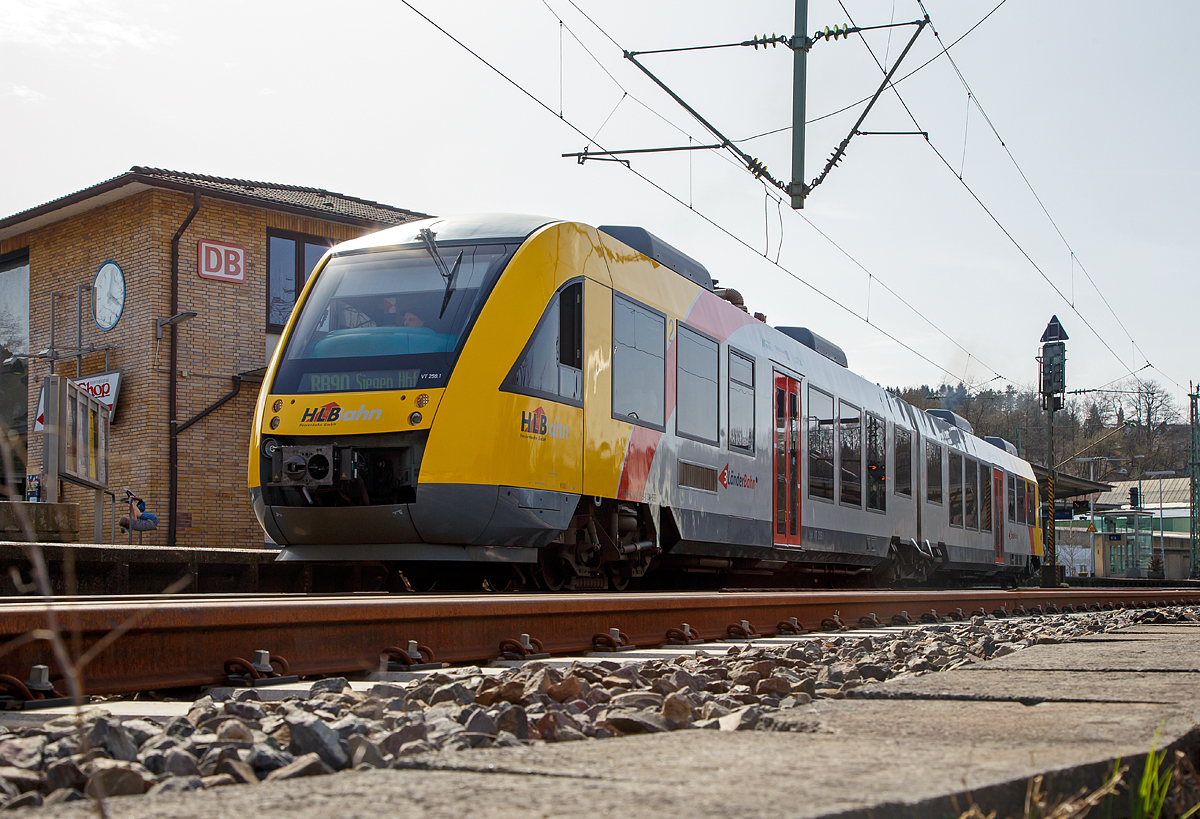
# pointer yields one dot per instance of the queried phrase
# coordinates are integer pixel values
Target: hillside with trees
(1137, 422)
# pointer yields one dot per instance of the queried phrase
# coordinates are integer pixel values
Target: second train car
(542, 402)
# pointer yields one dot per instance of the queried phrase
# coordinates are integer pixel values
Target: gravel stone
(23, 752)
(309, 734)
(329, 685)
(176, 784)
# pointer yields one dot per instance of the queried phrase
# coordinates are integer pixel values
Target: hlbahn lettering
(331, 412)
(537, 425)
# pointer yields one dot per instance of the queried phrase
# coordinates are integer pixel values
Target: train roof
(468, 228)
(646, 243)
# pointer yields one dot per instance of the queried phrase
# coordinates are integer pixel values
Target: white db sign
(220, 261)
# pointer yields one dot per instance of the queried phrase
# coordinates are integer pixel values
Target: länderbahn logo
(736, 479)
(536, 424)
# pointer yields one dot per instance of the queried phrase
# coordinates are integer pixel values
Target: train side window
(903, 482)
(933, 472)
(551, 365)
(741, 402)
(696, 386)
(850, 454)
(876, 463)
(1031, 504)
(985, 498)
(570, 342)
(639, 363)
(1012, 499)
(820, 444)
(956, 489)
(1020, 500)
(970, 494)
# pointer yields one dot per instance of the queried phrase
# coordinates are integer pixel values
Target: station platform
(920, 746)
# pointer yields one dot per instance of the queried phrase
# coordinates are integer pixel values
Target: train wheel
(420, 579)
(617, 580)
(501, 578)
(552, 573)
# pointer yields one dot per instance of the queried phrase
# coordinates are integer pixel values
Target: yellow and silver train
(526, 399)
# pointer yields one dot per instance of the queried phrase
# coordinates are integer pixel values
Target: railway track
(187, 640)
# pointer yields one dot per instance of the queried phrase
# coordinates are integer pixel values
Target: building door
(787, 461)
(998, 513)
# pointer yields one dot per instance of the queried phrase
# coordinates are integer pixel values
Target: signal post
(1053, 361)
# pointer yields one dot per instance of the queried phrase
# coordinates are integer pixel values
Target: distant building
(1128, 539)
(237, 253)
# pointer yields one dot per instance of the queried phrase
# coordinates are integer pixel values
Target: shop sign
(220, 261)
(102, 387)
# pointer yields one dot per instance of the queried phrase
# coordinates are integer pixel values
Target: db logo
(222, 262)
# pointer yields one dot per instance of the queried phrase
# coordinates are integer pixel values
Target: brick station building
(232, 251)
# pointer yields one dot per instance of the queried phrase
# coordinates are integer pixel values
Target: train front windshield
(387, 320)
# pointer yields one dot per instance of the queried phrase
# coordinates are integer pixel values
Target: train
(523, 402)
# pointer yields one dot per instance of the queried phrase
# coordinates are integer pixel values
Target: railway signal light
(1054, 368)
(1135, 498)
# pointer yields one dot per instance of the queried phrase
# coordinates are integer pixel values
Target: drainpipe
(173, 439)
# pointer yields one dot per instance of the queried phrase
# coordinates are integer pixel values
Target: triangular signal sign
(1054, 331)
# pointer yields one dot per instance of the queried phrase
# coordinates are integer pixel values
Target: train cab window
(971, 494)
(696, 386)
(820, 445)
(956, 489)
(933, 473)
(985, 498)
(850, 454)
(1012, 499)
(876, 463)
(903, 482)
(639, 364)
(551, 365)
(1020, 501)
(741, 402)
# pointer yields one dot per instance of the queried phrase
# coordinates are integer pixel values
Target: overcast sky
(1096, 101)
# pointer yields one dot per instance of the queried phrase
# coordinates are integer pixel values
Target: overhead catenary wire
(825, 236)
(981, 204)
(972, 98)
(708, 220)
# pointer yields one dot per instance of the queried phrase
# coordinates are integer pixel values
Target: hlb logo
(332, 412)
(736, 479)
(537, 424)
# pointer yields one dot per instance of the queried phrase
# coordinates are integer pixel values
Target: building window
(970, 494)
(820, 444)
(876, 463)
(14, 377)
(639, 363)
(933, 472)
(551, 365)
(903, 462)
(291, 257)
(741, 402)
(850, 454)
(956, 489)
(696, 386)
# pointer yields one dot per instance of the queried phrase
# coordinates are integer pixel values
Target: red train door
(998, 513)
(787, 461)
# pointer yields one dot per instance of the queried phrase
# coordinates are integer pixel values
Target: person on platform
(138, 518)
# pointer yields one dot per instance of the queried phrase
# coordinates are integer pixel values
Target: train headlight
(270, 447)
(423, 400)
(415, 418)
(275, 422)
(278, 404)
